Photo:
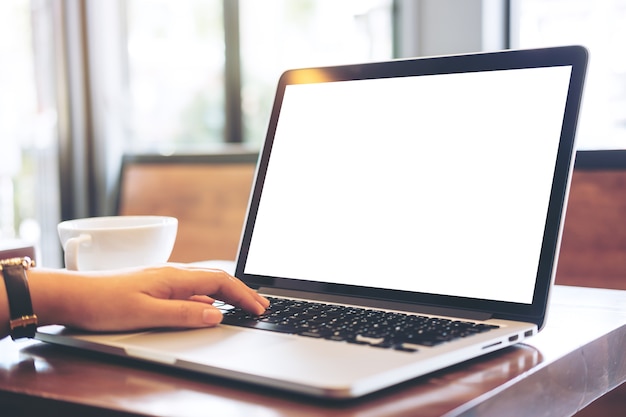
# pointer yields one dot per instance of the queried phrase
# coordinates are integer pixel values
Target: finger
(234, 291)
(180, 314)
(202, 299)
(185, 283)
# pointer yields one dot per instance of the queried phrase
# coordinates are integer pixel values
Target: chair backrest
(13, 248)
(593, 248)
(207, 193)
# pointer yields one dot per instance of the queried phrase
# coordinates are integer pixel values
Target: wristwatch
(23, 321)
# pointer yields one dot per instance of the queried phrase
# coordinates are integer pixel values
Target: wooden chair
(207, 193)
(16, 249)
(593, 248)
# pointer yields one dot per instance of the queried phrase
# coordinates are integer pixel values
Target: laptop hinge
(383, 304)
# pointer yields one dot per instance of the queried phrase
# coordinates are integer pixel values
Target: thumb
(184, 313)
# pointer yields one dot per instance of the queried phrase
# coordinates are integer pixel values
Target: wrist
(51, 293)
(22, 319)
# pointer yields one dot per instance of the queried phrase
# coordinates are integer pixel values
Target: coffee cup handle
(71, 250)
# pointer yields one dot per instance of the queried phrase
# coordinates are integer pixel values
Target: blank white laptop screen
(368, 161)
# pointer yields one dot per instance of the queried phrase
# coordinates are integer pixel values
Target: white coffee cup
(101, 243)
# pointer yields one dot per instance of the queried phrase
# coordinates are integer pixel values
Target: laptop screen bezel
(573, 56)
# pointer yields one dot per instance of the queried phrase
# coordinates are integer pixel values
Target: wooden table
(578, 357)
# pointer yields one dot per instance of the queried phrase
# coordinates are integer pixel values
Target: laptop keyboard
(381, 329)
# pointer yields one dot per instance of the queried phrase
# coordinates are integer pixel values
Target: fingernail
(211, 316)
(264, 302)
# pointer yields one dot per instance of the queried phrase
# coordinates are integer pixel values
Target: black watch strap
(23, 322)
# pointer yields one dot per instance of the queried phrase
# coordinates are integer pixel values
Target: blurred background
(83, 82)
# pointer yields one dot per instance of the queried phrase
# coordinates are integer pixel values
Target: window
(176, 61)
(28, 121)
(284, 34)
(175, 58)
(599, 26)
(17, 106)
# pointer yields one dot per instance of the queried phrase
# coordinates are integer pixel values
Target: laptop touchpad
(221, 341)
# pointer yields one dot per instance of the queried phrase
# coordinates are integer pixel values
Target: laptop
(428, 189)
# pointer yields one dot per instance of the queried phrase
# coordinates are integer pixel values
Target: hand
(167, 296)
